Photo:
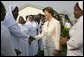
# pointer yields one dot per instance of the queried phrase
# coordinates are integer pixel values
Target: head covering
(9, 19)
(80, 3)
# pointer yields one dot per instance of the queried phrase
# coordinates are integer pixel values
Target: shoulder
(55, 21)
(3, 28)
(45, 22)
(79, 22)
(27, 23)
(80, 19)
(19, 24)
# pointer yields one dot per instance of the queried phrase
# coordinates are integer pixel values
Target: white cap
(80, 3)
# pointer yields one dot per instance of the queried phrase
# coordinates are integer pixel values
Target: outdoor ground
(62, 53)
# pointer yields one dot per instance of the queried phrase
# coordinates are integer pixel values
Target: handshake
(31, 38)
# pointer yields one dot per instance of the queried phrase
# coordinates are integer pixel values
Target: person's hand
(63, 41)
(31, 38)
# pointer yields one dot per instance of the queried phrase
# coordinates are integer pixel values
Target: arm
(57, 36)
(76, 41)
(15, 30)
(7, 48)
(39, 36)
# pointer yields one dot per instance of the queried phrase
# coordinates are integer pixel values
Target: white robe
(76, 39)
(19, 39)
(51, 34)
(23, 28)
(7, 48)
(32, 30)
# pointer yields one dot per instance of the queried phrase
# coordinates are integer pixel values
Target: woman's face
(47, 14)
(15, 12)
(77, 12)
(30, 18)
(21, 20)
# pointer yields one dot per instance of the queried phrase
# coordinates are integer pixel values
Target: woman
(31, 25)
(19, 39)
(51, 33)
(21, 24)
(7, 49)
(75, 44)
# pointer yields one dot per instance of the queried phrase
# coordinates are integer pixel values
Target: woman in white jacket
(75, 44)
(51, 33)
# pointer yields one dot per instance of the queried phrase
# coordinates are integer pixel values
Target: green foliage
(65, 32)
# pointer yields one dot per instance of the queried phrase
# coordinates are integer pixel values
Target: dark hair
(26, 16)
(23, 21)
(31, 17)
(42, 15)
(3, 13)
(21, 17)
(50, 10)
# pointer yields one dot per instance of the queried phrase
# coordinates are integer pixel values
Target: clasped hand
(31, 38)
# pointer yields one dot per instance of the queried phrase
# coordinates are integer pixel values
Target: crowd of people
(43, 32)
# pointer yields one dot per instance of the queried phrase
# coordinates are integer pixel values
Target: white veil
(9, 19)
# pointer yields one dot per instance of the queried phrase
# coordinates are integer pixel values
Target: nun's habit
(32, 30)
(19, 39)
(7, 48)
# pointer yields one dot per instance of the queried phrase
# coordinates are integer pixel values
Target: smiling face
(47, 14)
(21, 20)
(77, 11)
(31, 18)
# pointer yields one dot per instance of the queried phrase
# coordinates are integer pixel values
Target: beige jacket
(51, 32)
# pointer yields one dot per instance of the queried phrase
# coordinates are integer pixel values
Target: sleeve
(7, 48)
(57, 35)
(76, 41)
(40, 35)
(15, 30)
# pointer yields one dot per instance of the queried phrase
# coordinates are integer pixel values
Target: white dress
(23, 28)
(26, 49)
(7, 48)
(32, 30)
(76, 39)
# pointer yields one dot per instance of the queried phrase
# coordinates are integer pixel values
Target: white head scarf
(80, 3)
(9, 19)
